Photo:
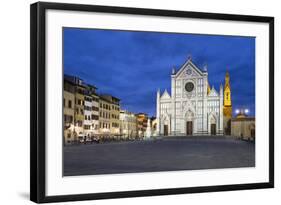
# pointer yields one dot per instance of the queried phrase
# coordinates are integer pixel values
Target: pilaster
(205, 105)
(158, 113)
(173, 106)
(221, 111)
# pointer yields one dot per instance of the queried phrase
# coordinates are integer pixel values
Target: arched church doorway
(213, 129)
(212, 125)
(166, 126)
(189, 116)
(165, 130)
(189, 128)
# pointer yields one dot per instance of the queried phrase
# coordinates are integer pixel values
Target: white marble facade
(190, 109)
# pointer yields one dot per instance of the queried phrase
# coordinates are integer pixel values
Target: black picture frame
(38, 100)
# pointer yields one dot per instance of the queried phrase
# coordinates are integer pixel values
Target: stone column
(158, 113)
(205, 105)
(173, 106)
(221, 111)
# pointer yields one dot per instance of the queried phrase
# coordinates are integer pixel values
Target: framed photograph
(129, 102)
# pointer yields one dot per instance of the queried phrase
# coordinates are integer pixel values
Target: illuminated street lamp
(242, 112)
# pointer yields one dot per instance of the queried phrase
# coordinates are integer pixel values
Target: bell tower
(227, 105)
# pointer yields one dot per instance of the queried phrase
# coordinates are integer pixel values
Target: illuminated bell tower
(227, 106)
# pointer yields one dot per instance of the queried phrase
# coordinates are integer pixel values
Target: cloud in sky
(133, 65)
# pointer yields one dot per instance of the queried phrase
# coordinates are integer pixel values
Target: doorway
(165, 130)
(189, 128)
(213, 129)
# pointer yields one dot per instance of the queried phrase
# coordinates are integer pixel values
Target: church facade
(192, 107)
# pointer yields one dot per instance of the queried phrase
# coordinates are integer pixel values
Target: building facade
(79, 93)
(87, 114)
(192, 108)
(91, 114)
(109, 111)
(114, 112)
(95, 113)
(79, 109)
(68, 111)
(104, 116)
(128, 124)
(142, 119)
(243, 127)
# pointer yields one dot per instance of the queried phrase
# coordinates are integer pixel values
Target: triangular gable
(191, 65)
(213, 93)
(165, 95)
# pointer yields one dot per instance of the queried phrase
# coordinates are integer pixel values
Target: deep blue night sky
(133, 65)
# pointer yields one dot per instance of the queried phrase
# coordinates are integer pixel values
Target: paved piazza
(158, 155)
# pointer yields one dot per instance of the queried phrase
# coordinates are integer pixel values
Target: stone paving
(169, 154)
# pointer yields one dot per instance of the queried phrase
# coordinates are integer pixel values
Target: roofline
(68, 81)
(91, 86)
(104, 99)
(141, 113)
(103, 95)
(243, 119)
(193, 64)
(165, 91)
